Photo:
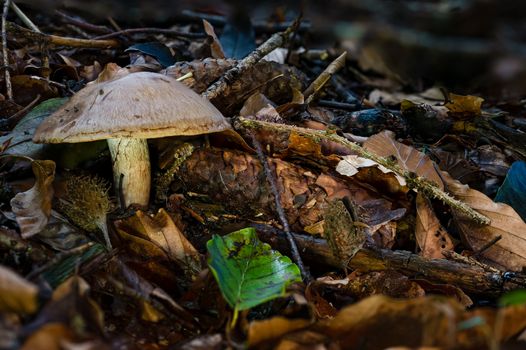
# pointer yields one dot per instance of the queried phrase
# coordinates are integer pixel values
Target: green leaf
(248, 271)
(515, 297)
(20, 138)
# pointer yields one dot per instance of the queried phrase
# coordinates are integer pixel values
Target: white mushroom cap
(139, 105)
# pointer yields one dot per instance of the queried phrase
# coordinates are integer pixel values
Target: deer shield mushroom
(128, 111)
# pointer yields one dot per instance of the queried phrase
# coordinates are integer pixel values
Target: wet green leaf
(248, 271)
(515, 297)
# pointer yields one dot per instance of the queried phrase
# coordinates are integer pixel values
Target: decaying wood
(470, 278)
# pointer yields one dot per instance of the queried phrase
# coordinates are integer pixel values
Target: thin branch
(279, 208)
(153, 31)
(82, 23)
(24, 18)
(419, 183)
(272, 43)
(20, 32)
(7, 74)
(317, 85)
(15, 118)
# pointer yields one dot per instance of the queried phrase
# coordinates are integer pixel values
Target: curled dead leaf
(161, 230)
(33, 207)
(431, 237)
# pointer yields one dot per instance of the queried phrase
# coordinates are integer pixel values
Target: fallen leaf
(408, 158)
(350, 165)
(430, 96)
(27, 87)
(258, 106)
(507, 253)
(20, 138)
(17, 294)
(513, 189)
(430, 236)
(278, 55)
(238, 38)
(215, 45)
(459, 104)
(162, 231)
(51, 336)
(379, 322)
(33, 207)
(248, 271)
(265, 330)
(321, 307)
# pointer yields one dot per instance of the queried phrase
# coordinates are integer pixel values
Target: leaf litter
(398, 192)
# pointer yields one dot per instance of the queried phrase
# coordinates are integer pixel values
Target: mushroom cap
(139, 105)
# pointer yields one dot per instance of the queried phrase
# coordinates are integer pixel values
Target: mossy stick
(414, 182)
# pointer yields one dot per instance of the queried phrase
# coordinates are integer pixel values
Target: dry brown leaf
(510, 251)
(49, 337)
(161, 230)
(314, 295)
(431, 96)
(379, 322)
(408, 158)
(273, 328)
(431, 237)
(497, 325)
(258, 106)
(459, 104)
(33, 207)
(16, 293)
(361, 323)
(215, 46)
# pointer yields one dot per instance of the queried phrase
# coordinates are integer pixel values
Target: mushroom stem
(130, 158)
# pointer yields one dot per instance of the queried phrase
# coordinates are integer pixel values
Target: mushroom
(126, 112)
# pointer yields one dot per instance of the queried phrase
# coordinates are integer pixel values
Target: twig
(488, 245)
(468, 277)
(15, 118)
(317, 85)
(414, 182)
(55, 40)
(272, 43)
(24, 18)
(279, 208)
(154, 31)
(83, 24)
(7, 74)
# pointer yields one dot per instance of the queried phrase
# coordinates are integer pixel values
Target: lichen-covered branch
(415, 182)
